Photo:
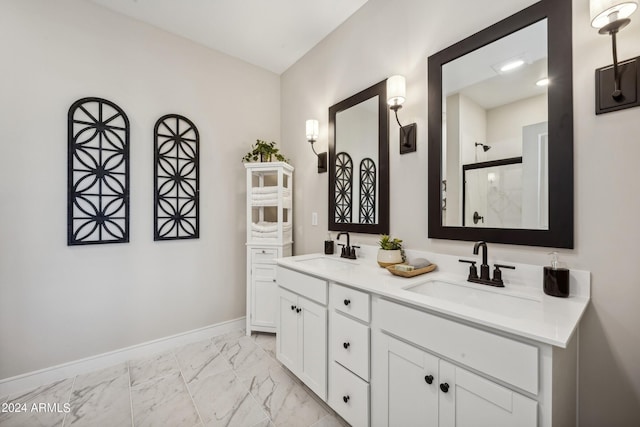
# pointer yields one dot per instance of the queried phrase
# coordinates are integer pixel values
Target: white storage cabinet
(269, 236)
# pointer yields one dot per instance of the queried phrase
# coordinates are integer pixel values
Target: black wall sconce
(396, 91)
(312, 136)
(617, 85)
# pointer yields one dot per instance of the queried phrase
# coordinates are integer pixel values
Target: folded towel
(271, 190)
(265, 190)
(419, 263)
(268, 227)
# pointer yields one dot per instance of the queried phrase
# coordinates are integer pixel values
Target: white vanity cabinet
(349, 349)
(433, 371)
(383, 357)
(301, 341)
(422, 389)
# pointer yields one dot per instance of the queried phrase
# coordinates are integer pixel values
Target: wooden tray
(413, 273)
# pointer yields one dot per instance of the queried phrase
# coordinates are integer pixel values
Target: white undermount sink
(497, 300)
(327, 263)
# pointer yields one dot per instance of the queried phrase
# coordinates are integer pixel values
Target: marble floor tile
(142, 370)
(285, 401)
(43, 406)
(266, 341)
(199, 360)
(264, 423)
(229, 380)
(101, 398)
(222, 400)
(258, 369)
(242, 353)
(229, 337)
(163, 401)
(330, 421)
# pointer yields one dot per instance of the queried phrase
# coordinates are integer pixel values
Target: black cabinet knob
(347, 302)
(428, 379)
(444, 387)
(293, 307)
(346, 345)
(345, 398)
(298, 310)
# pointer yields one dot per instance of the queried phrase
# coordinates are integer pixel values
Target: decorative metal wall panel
(98, 173)
(177, 164)
(368, 178)
(344, 187)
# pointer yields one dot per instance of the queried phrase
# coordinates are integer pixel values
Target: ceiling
(475, 74)
(272, 34)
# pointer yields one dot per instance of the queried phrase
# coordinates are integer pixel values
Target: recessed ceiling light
(543, 82)
(512, 65)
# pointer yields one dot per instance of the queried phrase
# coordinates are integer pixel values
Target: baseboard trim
(30, 380)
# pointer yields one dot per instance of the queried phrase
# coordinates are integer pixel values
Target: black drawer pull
(346, 345)
(298, 310)
(345, 398)
(347, 302)
(444, 387)
(293, 307)
(428, 379)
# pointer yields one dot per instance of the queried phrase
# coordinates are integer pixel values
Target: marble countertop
(520, 308)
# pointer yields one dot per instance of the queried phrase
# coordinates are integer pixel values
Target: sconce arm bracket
(627, 82)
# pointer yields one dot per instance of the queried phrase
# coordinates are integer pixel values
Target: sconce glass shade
(396, 90)
(312, 130)
(604, 12)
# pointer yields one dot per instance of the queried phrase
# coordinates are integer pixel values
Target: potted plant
(390, 251)
(263, 151)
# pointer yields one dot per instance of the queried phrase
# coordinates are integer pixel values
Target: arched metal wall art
(97, 173)
(344, 187)
(368, 179)
(177, 185)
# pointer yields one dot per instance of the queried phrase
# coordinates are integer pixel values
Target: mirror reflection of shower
(485, 148)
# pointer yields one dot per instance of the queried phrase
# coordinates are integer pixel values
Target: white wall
(505, 123)
(60, 303)
(385, 38)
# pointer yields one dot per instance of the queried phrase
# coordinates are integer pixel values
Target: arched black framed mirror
(359, 131)
(484, 106)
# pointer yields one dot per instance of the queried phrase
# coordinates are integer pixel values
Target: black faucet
(347, 251)
(484, 268)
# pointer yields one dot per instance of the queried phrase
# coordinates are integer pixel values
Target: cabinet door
(473, 401)
(265, 295)
(313, 357)
(287, 336)
(412, 391)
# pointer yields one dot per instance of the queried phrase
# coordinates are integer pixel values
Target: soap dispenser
(328, 245)
(556, 279)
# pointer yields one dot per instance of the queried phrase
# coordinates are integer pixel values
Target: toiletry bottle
(556, 279)
(328, 245)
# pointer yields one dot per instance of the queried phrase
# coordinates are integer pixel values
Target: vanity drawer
(308, 286)
(350, 344)
(508, 360)
(354, 303)
(349, 396)
(264, 255)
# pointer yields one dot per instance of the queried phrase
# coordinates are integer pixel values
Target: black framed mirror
(359, 162)
(483, 107)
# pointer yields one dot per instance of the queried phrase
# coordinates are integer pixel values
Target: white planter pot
(387, 258)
